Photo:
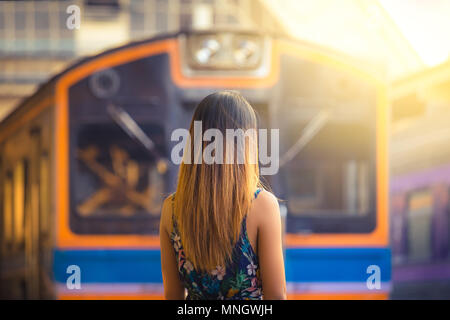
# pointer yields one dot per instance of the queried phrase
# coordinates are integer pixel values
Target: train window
(19, 185)
(419, 220)
(8, 210)
(117, 185)
(410, 106)
(44, 194)
(332, 179)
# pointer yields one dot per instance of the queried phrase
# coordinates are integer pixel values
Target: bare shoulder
(266, 199)
(265, 208)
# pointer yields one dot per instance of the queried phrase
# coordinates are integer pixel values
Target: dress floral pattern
(239, 280)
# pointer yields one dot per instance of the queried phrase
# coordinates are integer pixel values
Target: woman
(220, 232)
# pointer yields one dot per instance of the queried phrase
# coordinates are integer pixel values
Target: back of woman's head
(216, 182)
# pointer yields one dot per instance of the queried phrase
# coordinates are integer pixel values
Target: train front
(115, 114)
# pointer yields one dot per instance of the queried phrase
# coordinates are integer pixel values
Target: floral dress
(239, 280)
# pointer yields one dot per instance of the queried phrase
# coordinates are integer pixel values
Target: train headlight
(245, 51)
(209, 48)
(224, 51)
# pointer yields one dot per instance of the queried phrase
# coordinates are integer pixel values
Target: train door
(39, 250)
(6, 235)
(21, 261)
(32, 226)
(24, 216)
(32, 218)
(5, 216)
(21, 190)
(13, 271)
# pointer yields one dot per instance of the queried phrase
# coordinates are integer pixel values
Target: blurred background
(405, 43)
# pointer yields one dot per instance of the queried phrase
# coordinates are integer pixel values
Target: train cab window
(117, 185)
(419, 223)
(19, 185)
(327, 122)
(7, 211)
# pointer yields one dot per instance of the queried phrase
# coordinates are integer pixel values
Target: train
(84, 165)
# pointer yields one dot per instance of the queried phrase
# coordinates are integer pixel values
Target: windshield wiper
(132, 129)
(309, 132)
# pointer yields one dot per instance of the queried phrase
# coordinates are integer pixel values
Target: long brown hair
(212, 199)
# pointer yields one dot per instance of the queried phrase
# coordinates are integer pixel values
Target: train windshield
(327, 155)
(117, 183)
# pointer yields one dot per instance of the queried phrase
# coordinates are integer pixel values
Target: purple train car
(420, 185)
(420, 205)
